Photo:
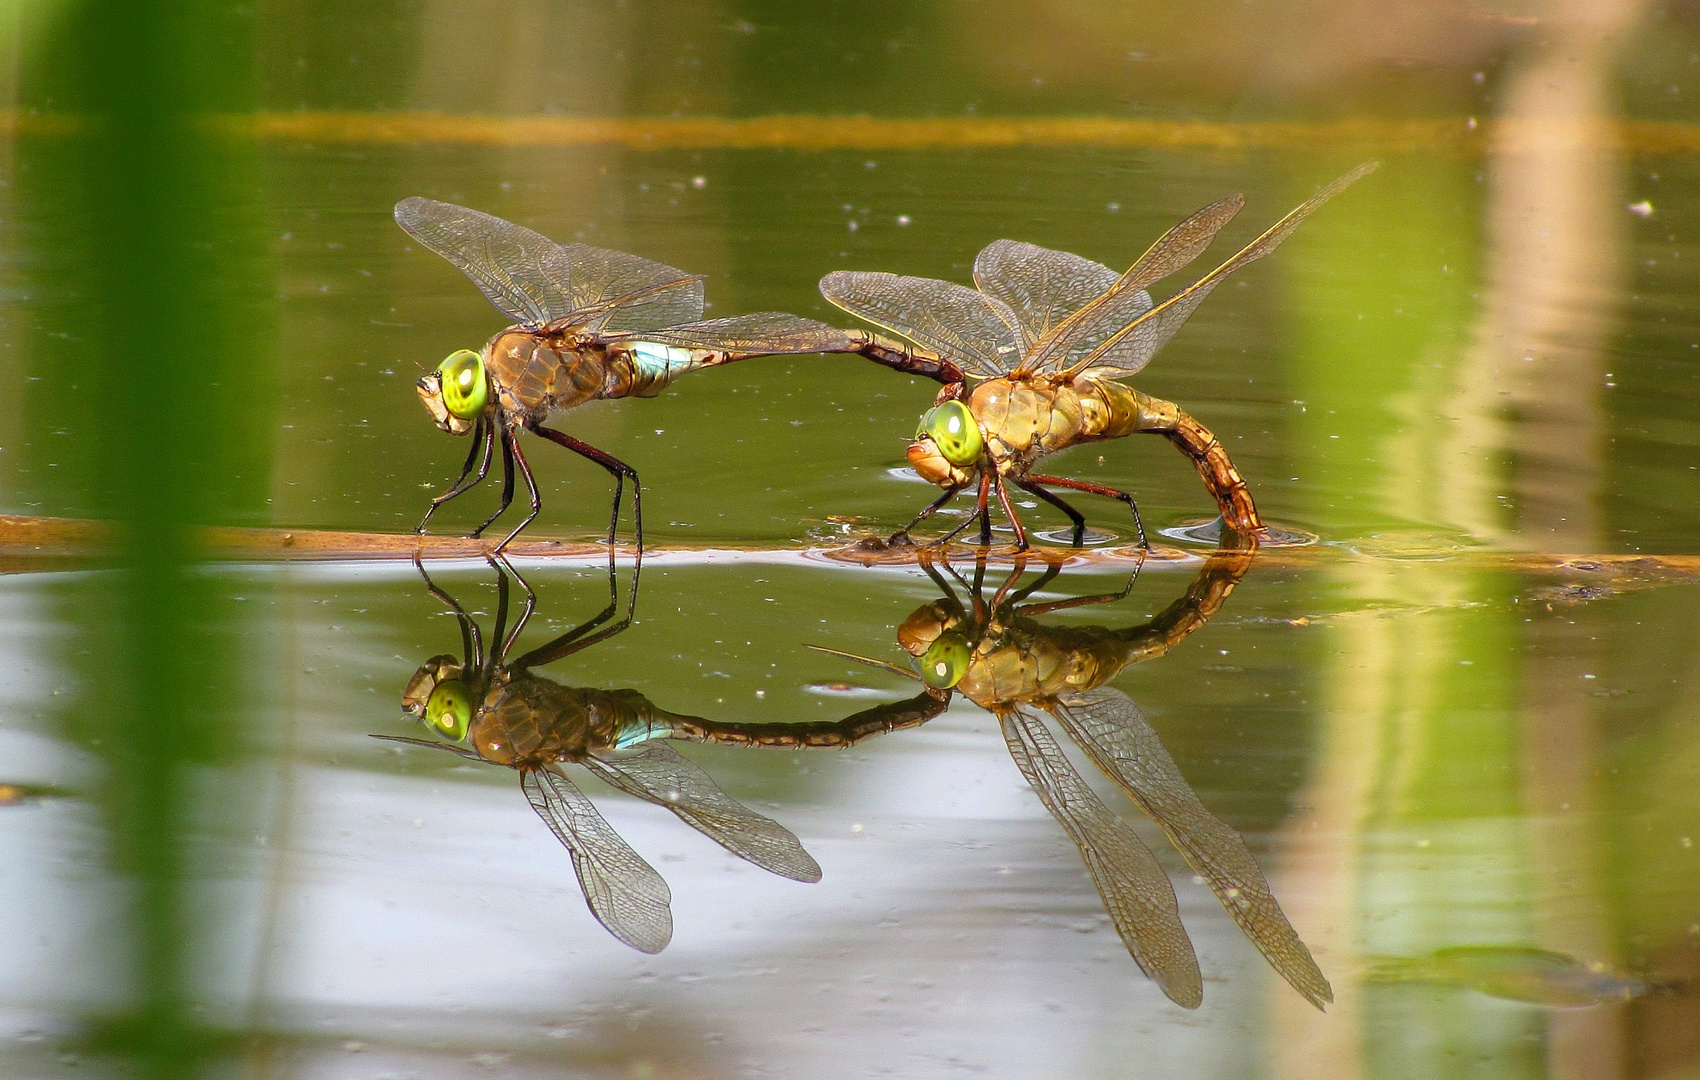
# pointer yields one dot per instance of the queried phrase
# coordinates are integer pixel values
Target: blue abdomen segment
(661, 364)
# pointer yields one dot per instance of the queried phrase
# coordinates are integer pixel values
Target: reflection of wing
(1129, 348)
(952, 320)
(761, 331)
(535, 280)
(657, 773)
(1136, 892)
(1115, 734)
(624, 893)
(1043, 287)
(1126, 299)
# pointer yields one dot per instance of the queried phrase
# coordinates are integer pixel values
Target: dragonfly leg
(1014, 519)
(508, 448)
(614, 465)
(980, 514)
(1074, 515)
(530, 487)
(483, 439)
(1098, 489)
(471, 639)
(499, 563)
(902, 535)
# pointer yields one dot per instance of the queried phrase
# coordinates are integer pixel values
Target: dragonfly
(999, 655)
(483, 706)
(1047, 336)
(588, 324)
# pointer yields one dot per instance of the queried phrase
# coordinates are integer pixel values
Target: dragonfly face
(438, 695)
(457, 393)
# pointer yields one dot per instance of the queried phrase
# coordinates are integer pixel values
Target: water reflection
(501, 711)
(998, 655)
(1513, 972)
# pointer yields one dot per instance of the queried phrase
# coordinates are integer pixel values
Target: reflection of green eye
(450, 709)
(945, 662)
(953, 430)
(464, 385)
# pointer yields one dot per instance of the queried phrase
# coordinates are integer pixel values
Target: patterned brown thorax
(1026, 663)
(536, 374)
(527, 720)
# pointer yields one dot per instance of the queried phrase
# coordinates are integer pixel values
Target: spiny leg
(1009, 511)
(500, 563)
(932, 508)
(483, 438)
(530, 487)
(1079, 519)
(980, 514)
(1034, 610)
(614, 465)
(1097, 489)
(507, 437)
(498, 630)
(471, 639)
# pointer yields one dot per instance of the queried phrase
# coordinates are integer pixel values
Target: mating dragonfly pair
(488, 705)
(1045, 335)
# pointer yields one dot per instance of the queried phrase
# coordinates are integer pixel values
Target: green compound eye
(464, 387)
(449, 709)
(945, 662)
(953, 430)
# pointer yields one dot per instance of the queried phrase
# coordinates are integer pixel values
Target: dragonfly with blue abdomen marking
(589, 324)
(487, 707)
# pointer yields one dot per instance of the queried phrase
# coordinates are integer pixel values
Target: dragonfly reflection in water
(497, 710)
(1048, 334)
(588, 324)
(999, 656)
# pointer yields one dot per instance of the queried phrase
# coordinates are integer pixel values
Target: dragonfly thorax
(537, 373)
(1024, 419)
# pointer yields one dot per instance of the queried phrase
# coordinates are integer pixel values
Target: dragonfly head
(947, 443)
(439, 696)
(934, 634)
(457, 392)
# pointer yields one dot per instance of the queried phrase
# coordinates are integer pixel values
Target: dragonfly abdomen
(1113, 410)
(644, 368)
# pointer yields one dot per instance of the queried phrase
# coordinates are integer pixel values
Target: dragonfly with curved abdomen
(1003, 659)
(489, 708)
(589, 323)
(1047, 336)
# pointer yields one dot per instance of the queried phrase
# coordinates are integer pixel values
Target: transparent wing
(430, 745)
(535, 280)
(958, 323)
(1113, 731)
(759, 332)
(1043, 287)
(657, 773)
(1131, 348)
(1136, 892)
(646, 308)
(1093, 324)
(625, 893)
